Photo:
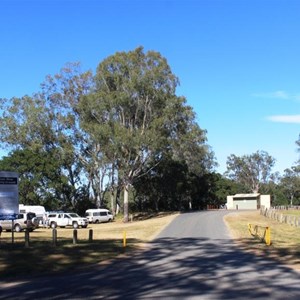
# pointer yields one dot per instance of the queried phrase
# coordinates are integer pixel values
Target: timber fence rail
(280, 217)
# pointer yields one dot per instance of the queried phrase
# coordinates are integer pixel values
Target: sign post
(9, 196)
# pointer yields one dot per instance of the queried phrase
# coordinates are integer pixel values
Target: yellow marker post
(124, 239)
(268, 236)
(250, 228)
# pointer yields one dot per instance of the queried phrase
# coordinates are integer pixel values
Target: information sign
(9, 195)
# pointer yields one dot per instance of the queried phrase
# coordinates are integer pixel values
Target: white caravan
(37, 209)
(98, 215)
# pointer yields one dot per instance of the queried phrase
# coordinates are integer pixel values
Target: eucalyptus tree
(40, 179)
(290, 183)
(47, 121)
(250, 170)
(134, 113)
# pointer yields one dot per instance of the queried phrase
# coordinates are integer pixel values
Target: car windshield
(73, 215)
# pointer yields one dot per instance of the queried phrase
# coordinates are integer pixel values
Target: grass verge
(41, 257)
(285, 239)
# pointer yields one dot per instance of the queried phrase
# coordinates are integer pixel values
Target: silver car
(24, 221)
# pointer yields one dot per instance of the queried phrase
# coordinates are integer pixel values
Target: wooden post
(75, 236)
(12, 231)
(54, 237)
(91, 235)
(26, 238)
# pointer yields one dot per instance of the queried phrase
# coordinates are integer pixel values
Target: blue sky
(238, 61)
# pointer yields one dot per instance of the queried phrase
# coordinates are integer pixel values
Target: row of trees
(84, 136)
(254, 173)
(90, 140)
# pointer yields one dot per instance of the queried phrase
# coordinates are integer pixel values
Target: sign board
(9, 195)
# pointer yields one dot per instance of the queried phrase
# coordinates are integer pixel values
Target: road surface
(192, 258)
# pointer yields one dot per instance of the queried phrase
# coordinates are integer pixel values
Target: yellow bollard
(124, 239)
(268, 236)
(249, 228)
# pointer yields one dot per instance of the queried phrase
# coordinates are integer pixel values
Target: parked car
(23, 221)
(99, 215)
(61, 219)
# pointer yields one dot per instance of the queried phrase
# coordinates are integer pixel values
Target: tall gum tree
(250, 170)
(134, 113)
(48, 120)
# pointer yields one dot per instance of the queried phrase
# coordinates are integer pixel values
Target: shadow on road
(188, 268)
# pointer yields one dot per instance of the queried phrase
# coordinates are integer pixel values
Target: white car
(66, 219)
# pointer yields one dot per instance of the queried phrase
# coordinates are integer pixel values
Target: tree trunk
(98, 202)
(118, 206)
(126, 218)
(112, 202)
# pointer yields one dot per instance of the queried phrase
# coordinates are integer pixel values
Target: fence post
(54, 237)
(91, 235)
(26, 238)
(75, 236)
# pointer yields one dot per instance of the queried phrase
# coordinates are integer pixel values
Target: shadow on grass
(287, 255)
(171, 268)
(43, 257)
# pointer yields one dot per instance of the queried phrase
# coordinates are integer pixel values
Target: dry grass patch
(293, 212)
(42, 257)
(285, 239)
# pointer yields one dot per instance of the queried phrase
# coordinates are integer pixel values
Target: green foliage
(290, 185)
(136, 118)
(222, 187)
(39, 174)
(41, 179)
(84, 136)
(250, 170)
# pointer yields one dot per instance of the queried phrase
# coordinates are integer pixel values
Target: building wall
(249, 202)
(229, 203)
(265, 201)
(245, 204)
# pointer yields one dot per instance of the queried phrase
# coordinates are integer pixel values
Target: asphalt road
(192, 258)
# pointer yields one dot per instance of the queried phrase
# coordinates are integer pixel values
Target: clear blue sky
(238, 61)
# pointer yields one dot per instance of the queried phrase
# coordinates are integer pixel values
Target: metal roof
(254, 195)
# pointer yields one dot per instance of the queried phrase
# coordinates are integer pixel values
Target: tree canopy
(105, 131)
(136, 118)
(250, 170)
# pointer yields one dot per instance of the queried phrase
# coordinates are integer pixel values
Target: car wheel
(53, 225)
(84, 226)
(75, 225)
(18, 228)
